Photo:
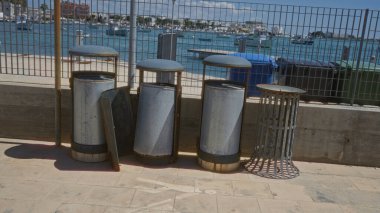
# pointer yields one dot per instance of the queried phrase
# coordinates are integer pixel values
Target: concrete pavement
(36, 176)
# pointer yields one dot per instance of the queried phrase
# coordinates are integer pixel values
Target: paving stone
(134, 181)
(69, 193)
(113, 196)
(249, 188)
(368, 172)
(232, 204)
(22, 171)
(24, 190)
(157, 201)
(195, 202)
(133, 210)
(287, 191)
(74, 207)
(99, 178)
(279, 206)
(367, 184)
(53, 174)
(11, 205)
(212, 186)
(358, 209)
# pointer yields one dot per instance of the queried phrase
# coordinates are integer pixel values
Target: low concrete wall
(325, 133)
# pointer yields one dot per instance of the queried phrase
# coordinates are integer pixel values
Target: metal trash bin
(88, 142)
(272, 152)
(262, 71)
(316, 77)
(157, 125)
(367, 83)
(222, 117)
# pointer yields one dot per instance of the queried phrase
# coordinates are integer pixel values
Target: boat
(260, 39)
(94, 25)
(223, 35)
(22, 23)
(205, 39)
(299, 40)
(144, 29)
(116, 30)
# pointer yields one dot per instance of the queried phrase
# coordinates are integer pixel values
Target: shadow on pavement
(61, 155)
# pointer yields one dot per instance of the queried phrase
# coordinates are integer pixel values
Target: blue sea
(40, 41)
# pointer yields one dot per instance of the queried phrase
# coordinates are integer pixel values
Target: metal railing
(333, 53)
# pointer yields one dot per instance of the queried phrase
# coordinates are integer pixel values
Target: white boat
(304, 41)
(22, 23)
(93, 25)
(144, 29)
(116, 30)
(223, 35)
(259, 39)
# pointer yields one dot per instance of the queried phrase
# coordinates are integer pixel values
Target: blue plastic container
(261, 71)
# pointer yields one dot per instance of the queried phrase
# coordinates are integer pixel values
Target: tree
(44, 7)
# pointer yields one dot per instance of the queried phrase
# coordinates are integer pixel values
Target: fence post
(57, 63)
(132, 45)
(242, 45)
(359, 56)
(346, 53)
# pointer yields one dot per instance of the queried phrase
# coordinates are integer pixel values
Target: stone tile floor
(36, 176)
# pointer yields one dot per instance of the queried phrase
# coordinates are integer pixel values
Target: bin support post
(57, 63)
(359, 56)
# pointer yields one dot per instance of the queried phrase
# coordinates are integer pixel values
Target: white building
(7, 8)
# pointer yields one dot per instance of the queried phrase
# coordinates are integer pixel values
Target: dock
(203, 53)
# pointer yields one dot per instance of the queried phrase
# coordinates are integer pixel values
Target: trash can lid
(160, 65)
(93, 51)
(227, 61)
(258, 59)
(278, 88)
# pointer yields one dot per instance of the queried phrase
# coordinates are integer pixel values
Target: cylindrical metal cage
(272, 152)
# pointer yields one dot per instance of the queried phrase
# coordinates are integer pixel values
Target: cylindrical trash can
(155, 120)
(158, 116)
(88, 137)
(219, 147)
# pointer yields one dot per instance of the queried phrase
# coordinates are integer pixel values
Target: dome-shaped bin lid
(160, 65)
(93, 51)
(227, 61)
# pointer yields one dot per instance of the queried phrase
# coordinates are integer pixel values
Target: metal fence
(332, 53)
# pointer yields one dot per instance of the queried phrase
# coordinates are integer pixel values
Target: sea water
(40, 41)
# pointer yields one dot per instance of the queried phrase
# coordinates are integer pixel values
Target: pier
(203, 53)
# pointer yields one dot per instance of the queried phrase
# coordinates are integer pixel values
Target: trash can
(88, 141)
(367, 83)
(262, 71)
(157, 125)
(222, 117)
(316, 77)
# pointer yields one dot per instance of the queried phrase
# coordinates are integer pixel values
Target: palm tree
(44, 7)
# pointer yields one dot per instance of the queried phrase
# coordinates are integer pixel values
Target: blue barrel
(261, 71)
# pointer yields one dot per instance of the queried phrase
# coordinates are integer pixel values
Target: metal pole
(359, 55)
(132, 45)
(57, 57)
(172, 32)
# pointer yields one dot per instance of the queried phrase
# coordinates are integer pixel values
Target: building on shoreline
(75, 10)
